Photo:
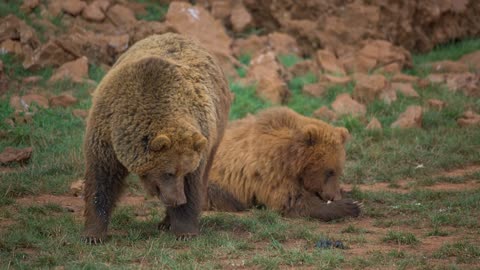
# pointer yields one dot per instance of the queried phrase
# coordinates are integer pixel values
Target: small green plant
(401, 238)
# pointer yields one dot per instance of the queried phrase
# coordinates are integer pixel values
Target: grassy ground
(408, 224)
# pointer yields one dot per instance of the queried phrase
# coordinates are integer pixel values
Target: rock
(371, 87)
(472, 60)
(302, 68)
(436, 78)
(468, 83)
(23, 117)
(63, 100)
(11, 154)
(410, 118)
(314, 90)
(80, 113)
(32, 79)
(1, 67)
(283, 44)
(404, 78)
(196, 23)
(49, 54)
(15, 29)
(76, 71)
(77, 188)
(345, 105)
(324, 113)
(374, 124)
(12, 47)
(405, 88)
(448, 66)
(118, 43)
(121, 16)
(95, 11)
(469, 119)
(436, 104)
(252, 45)
(29, 5)
(73, 7)
(335, 80)
(385, 54)
(25, 102)
(328, 62)
(143, 29)
(266, 70)
(240, 18)
(54, 8)
(221, 9)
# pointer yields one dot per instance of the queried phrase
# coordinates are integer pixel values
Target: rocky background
(368, 42)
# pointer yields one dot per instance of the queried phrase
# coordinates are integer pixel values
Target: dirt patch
(461, 171)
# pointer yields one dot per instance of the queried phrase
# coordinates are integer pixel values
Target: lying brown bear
(160, 112)
(282, 160)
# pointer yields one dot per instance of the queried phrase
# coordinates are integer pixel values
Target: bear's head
(323, 159)
(177, 154)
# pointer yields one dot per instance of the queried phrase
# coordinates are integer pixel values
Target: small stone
(314, 90)
(63, 100)
(324, 113)
(469, 119)
(80, 113)
(345, 105)
(374, 124)
(77, 188)
(436, 104)
(329, 62)
(73, 7)
(406, 89)
(411, 118)
(11, 154)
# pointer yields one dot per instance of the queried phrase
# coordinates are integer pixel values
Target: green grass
(154, 11)
(47, 236)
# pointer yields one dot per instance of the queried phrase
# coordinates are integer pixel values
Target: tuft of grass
(464, 252)
(289, 60)
(154, 12)
(246, 101)
(401, 238)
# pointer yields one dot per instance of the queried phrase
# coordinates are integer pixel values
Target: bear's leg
(164, 225)
(309, 205)
(184, 218)
(103, 185)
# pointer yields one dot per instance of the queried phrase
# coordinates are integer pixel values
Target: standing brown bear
(282, 160)
(160, 112)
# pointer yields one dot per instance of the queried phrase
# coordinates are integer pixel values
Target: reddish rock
(63, 100)
(406, 89)
(49, 54)
(468, 83)
(386, 54)
(371, 87)
(73, 7)
(472, 60)
(1, 67)
(345, 105)
(302, 68)
(29, 5)
(13, 28)
(95, 11)
(410, 118)
(80, 113)
(436, 78)
(195, 22)
(328, 62)
(448, 66)
(143, 29)
(240, 17)
(11, 154)
(12, 47)
(76, 71)
(252, 45)
(404, 78)
(469, 119)
(335, 80)
(374, 124)
(121, 16)
(436, 104)
(266, 70)
(314, 90)
(221, 9)
(324, 113)
(31, 79)
(25, 102)
(283, 44)
(118, 43)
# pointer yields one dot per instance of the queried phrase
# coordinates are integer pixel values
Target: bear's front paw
(350, 208)
(186, 236)
(164, 226)
(93, 240)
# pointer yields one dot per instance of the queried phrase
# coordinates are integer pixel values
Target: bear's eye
(329, 173)
(169, 175)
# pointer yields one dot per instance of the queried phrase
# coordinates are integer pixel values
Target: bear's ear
(199, 142)
(309, 135)
(160, 143)
(344, 134)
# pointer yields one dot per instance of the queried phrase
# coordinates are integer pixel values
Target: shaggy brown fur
(285, 161)
(160, 112)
